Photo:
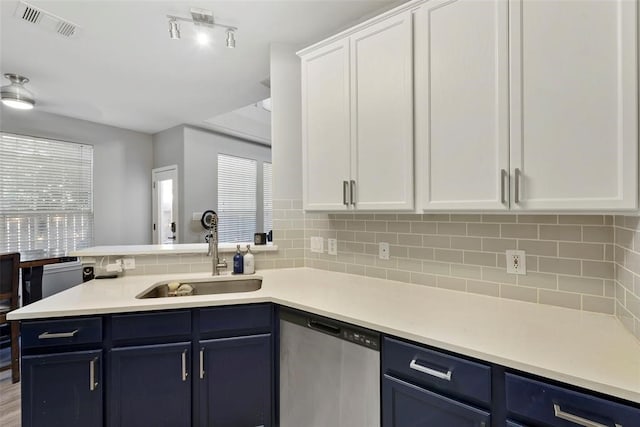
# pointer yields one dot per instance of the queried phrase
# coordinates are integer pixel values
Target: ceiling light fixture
(202, 38)
(15, 95)
(174, 30)
(201, 18)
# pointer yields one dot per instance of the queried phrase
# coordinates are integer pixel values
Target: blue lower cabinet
(235, 381)
(406, 405)
(150, 386)
(63, 389)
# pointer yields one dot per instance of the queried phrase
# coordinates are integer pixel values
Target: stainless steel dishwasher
(329, 372)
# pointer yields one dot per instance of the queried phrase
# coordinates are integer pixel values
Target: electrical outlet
(129, 263)
(317, 245)
(383, 250)
(332, 246)
(516, 262)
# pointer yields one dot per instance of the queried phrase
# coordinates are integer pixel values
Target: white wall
(121, 173)
(286, 131)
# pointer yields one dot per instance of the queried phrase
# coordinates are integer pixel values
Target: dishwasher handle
(324, 327)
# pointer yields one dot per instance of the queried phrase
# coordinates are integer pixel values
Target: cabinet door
(382, 115)
(325, 127)
(573, 104)
(62, 389)
(236, 381)
(462, 110)
(405, 405)
(150, 386)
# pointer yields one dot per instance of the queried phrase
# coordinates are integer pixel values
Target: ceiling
(124, 70)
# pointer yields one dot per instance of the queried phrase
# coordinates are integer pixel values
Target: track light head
(231, 39)
(174, 30)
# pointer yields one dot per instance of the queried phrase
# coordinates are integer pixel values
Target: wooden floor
(9, 401)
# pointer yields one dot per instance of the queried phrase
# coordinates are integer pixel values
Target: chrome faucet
(216, 265)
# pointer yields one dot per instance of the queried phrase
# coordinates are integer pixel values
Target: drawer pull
(201, 363)
(434, 373)
(559, 413)
(49, 335)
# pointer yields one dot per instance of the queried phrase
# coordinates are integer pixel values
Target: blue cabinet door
(150, 386)
(235, 381)
(405, 405)
(63, 389)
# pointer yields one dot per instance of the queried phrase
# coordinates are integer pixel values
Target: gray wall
(122, 170)
(195, 151)
(286, 130)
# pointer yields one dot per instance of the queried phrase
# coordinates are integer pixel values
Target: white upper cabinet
(573, 104)
(461, 108)
(382, 115)
(357, 109)
(326, 133)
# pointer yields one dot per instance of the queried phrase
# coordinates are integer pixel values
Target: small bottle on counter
(238, 262)
(249, 262)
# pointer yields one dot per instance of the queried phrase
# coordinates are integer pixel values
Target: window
(46, 194)
(237, 198)
(267, 197)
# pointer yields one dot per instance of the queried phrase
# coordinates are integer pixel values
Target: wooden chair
(9, 282)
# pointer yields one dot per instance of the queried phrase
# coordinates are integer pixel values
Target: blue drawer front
(173, 325)
(406, 405)
(416, 364)
(221, 321)
(47, 333)
(535, 400)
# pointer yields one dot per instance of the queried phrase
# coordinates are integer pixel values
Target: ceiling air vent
(46, 20)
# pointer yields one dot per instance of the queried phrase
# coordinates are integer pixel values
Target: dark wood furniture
(9, 282)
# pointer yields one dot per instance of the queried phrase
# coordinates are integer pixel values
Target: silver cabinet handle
(201, 363)
(92, 374)
(353, 192)
(184, 366)
(49, 335)
(559, 413)
(345, 188)
(516, 195)
(503, 175)
(442, 375)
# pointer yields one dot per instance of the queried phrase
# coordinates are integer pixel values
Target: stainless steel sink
(203, 287)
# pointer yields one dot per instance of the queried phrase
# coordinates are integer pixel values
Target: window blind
(267, 196)
(237, 188)
(46, 194)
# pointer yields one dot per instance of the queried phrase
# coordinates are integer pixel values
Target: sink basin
(202, 287)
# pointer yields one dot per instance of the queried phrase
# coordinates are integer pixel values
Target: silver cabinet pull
(353, 192)
(201, 363)
(345, 188)
(434, 373)
(503, 175)
(49, 335)
(516, 195)
(92, 374)
(184, 366)
(559, 413)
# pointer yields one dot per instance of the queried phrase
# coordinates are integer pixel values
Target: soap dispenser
(238, 262)
(249, 261)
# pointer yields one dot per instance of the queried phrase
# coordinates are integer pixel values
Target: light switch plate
(332, 246)
(129, 263)
(317, 245)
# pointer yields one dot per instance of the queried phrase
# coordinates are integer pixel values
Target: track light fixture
(15, 95)
(201, 18)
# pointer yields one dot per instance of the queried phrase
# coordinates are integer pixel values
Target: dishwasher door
(327, 381)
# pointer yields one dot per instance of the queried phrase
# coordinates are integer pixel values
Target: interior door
(165, 204)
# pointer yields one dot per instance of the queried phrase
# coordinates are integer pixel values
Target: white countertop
(168, 249)
(589, 350)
